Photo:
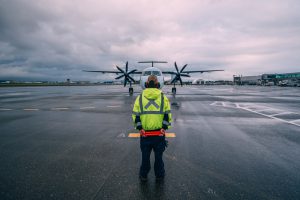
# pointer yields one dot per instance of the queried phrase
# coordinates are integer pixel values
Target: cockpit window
(156, 73)
(147, 73)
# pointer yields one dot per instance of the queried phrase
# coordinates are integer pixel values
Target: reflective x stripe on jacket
(148, 113)
(152, 102)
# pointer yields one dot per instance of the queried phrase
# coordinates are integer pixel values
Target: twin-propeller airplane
(176, 75)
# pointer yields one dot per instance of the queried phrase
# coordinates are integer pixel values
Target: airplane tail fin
(152, 62)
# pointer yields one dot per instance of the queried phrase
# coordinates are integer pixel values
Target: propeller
(126, 74)
(179, 74)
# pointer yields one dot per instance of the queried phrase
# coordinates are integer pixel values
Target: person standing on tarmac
(152, 116)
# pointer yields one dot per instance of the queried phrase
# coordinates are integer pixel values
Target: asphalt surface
(72, 143)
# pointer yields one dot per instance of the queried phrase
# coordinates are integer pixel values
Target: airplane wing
(111, 72)
(202, 71)
(187, 72)
(181, 73)
(124, 74)
(168, 72)
(137, 72)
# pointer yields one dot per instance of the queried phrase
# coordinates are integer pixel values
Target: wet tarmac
(72, 143)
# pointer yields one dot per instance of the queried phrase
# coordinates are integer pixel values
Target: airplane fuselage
(175, 75)
(151, 71)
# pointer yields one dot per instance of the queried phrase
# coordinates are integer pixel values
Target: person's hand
(142, 133)
(163, 132)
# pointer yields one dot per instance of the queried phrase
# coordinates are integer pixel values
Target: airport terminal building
(287, 79)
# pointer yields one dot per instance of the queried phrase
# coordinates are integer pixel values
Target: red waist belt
(153, 133)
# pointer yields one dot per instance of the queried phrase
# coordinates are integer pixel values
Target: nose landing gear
(130, 90)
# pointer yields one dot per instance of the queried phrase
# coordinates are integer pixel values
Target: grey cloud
(56, 39)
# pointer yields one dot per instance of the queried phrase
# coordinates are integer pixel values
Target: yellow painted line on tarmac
(137, 135)
(133, 135)
(170, 135)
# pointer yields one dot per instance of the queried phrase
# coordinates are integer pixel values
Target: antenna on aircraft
(152, 62)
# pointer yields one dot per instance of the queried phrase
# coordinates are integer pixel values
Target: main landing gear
(174, 90)
(130, 90)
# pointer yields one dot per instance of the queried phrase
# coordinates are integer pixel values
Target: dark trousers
(158, 144)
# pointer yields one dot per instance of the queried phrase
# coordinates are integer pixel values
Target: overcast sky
(56, 39)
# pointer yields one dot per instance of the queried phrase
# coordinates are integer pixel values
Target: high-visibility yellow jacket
(152, 110)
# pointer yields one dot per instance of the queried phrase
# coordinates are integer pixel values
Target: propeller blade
(174, 80)
(125, 81)
(183, 68)
(176, 67)
(185, 75)
(121, 70)
(120, 76)
(132, 71)
(126, 66)
(131, 79)
(180, 81)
